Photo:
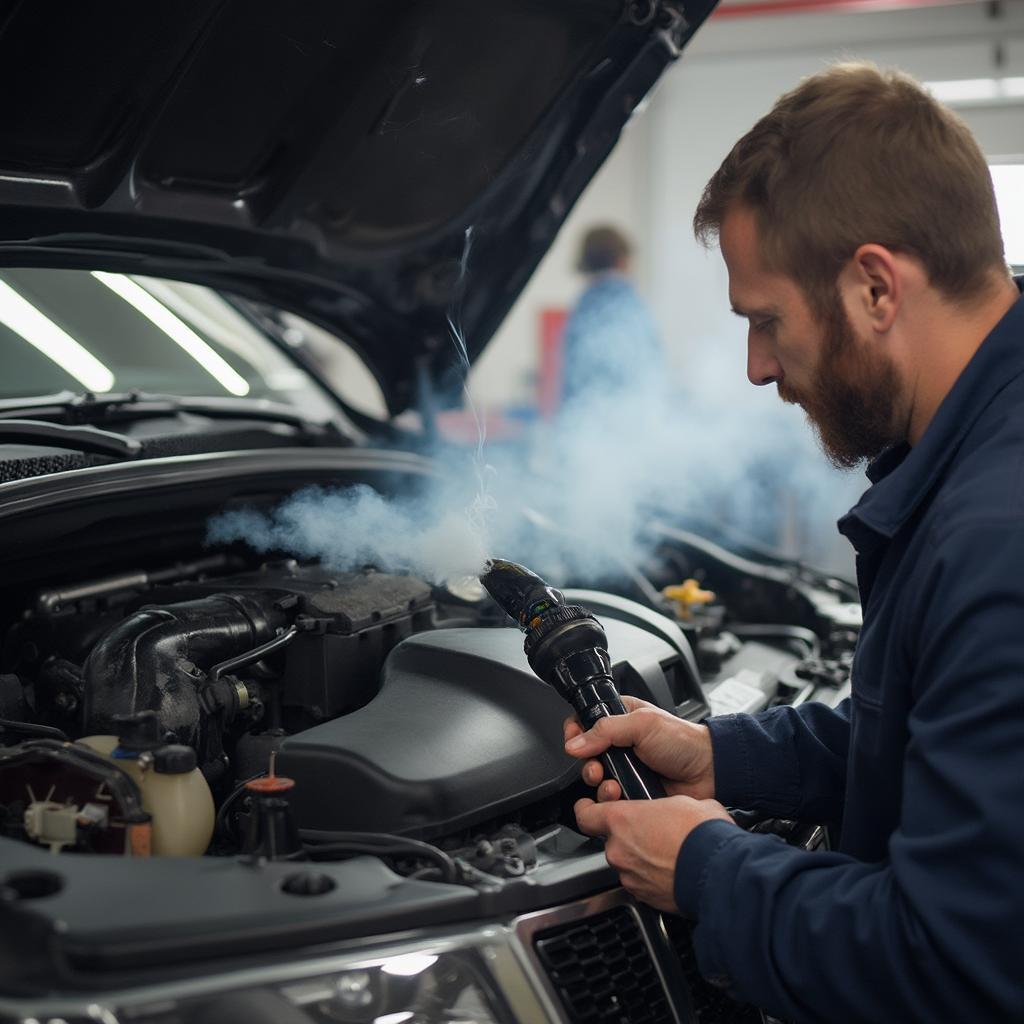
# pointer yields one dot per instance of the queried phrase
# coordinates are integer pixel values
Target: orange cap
(270, 784)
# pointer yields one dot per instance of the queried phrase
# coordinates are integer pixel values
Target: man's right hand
(680, 752)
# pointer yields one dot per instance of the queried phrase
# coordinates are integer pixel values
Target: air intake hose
(155, 660)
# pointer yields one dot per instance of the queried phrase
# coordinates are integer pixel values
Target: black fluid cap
(138, 733)
(174, 759)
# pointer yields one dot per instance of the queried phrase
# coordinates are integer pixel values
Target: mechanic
(859, 229)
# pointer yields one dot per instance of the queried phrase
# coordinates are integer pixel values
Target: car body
(392, 174)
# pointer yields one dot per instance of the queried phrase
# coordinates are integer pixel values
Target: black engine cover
(461, 731)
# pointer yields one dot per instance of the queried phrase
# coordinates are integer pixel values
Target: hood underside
(377, 166)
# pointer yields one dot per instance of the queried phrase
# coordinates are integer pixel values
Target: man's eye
(765, 326)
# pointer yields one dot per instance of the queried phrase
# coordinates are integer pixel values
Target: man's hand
(643, 840)
(680, 752)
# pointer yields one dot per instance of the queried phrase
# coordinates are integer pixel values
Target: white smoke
(355, 526)
(612, 463)
(440, 536)
(575, 498)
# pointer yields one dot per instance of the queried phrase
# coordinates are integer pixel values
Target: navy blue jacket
(918, 915)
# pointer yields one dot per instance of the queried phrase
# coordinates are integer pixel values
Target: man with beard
(858, 225)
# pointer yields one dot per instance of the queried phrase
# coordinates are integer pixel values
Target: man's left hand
(643, 840)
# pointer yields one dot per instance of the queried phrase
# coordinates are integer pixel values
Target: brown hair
(855, 155)
(603, 248)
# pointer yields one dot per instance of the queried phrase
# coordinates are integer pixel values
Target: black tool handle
(638, 782)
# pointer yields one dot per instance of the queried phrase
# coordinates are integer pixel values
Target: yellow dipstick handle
(686, 596)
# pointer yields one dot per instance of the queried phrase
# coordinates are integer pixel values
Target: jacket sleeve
(785, 762)
(932, 933)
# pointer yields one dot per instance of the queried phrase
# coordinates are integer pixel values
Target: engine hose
(220, 823)
(31, 729)
(319, 843)
(154, 660)
(779, 632)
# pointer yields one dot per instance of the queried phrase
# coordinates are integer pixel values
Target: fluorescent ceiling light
(177, 330)
(42, 333)
(977, 90)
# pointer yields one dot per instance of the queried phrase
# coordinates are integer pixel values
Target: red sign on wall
(549, 361)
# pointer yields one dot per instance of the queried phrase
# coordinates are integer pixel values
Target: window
(1008, 180)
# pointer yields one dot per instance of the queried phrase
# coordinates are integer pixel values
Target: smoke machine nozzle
(523, 594)
(554, 630)
(566, 646)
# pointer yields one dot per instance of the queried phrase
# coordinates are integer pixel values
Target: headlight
(484, 973)
(445, 982)
(411, 988)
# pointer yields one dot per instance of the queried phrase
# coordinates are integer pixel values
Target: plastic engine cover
(461, 731)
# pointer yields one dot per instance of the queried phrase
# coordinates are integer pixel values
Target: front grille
(602, 969)
(710, 1004)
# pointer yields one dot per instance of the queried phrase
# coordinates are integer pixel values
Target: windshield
(76, 330)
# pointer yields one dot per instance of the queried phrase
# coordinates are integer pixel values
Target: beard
(852, 403)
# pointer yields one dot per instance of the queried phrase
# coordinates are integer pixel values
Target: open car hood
(378, 166)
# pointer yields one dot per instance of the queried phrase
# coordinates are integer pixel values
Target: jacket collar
(903, 476)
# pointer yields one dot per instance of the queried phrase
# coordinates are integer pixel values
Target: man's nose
(762, 366)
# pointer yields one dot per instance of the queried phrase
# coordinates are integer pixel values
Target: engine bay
(208, 756)
(286, 711)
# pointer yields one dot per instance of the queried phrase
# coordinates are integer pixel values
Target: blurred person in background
(611, 344)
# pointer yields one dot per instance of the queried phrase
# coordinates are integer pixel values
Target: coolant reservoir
(180, 802)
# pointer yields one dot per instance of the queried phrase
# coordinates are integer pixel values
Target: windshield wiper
(69, 407)
(57, 435)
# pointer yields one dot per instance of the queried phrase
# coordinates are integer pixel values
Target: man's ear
(873, 287)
